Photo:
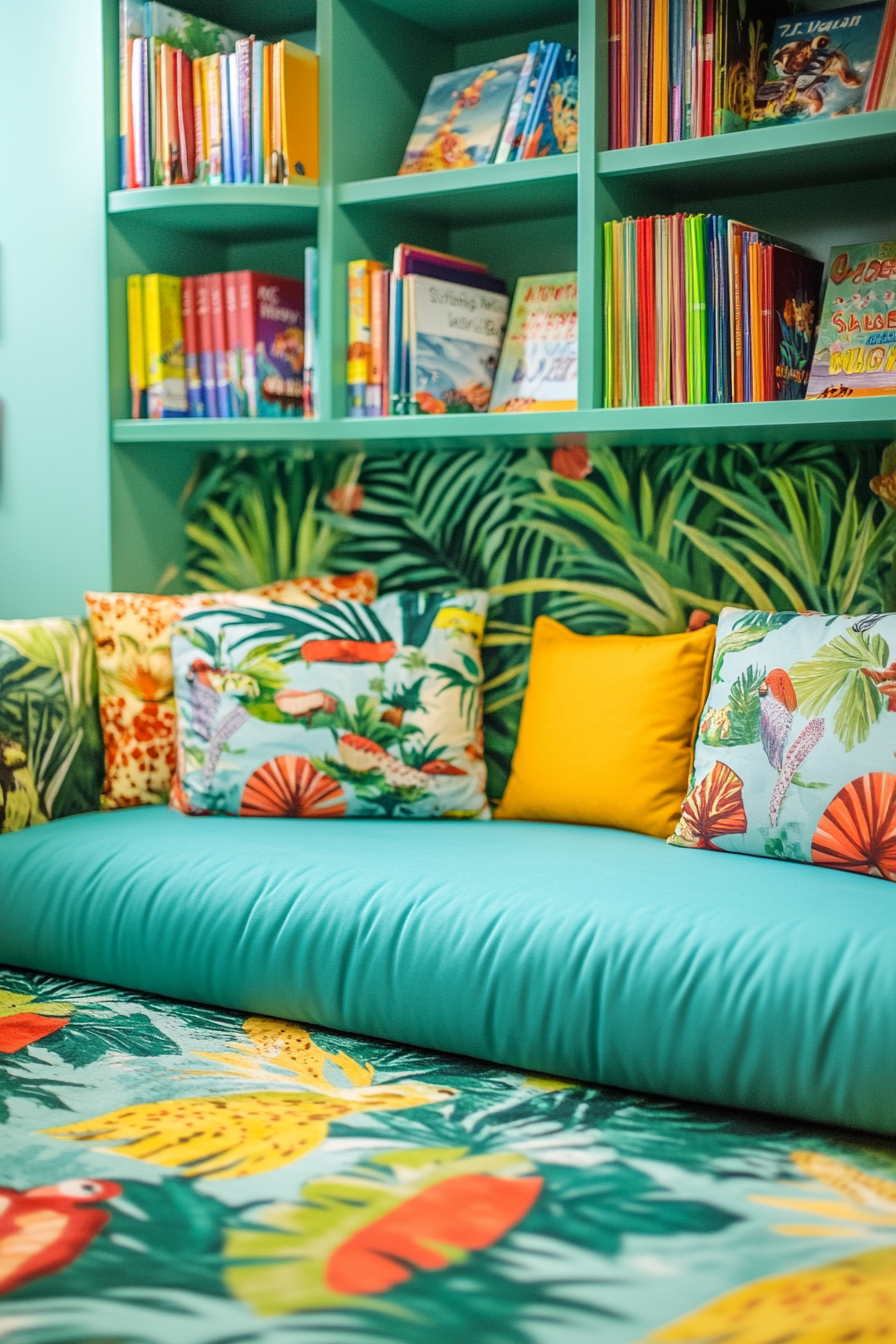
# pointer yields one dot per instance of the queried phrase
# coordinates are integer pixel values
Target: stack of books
(202, 103)
(428, 338)
(683, 69)
(700, 308)
(225, 345)
(521, 107)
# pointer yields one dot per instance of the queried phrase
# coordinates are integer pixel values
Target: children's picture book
(742, 34)
(462, 117)
(455, 340)
(508, 135)
(272, 320)
(538, 368)
(855, 353)
(794, 288)
(136, 347)
(555, 124)
(164, 344)
(820, 64)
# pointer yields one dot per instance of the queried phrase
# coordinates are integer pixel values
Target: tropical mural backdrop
(643, 541)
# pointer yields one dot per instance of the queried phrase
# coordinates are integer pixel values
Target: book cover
(535, 103)
(538, 367)
(273, 339)
(819, 64)
(206, 340)
(743, 33)
(164, 336)
(541, 51)
(855, 352)
(310, 403)
(795, 289)
(219, 344)
(136, 347)
(358, 354)
(462, 117)
(508, 134)
(140, 113)
(299, 112)
(195, 398)
(233, 334)
(455, 334)
(555, 126)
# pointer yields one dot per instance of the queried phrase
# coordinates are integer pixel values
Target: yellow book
(659, 130)
(164, 335)
(136, 347)
(213, 87)
(299, 113)
(754, 274)
(277, 165)
(266, 102)
(200, 116)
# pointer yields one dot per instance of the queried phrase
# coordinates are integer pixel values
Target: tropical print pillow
(796, 751)
(51, 750)
(132, 633)
(343, 710)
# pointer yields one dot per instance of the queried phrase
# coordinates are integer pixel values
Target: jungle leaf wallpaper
(641, 541)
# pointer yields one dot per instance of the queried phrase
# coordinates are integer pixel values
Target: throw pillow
(344, 710)
(607, 729)
(795, 753)
(132, 633)
(51, 749)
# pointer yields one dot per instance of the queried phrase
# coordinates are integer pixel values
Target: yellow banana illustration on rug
(852, 1299)
(246, 1133)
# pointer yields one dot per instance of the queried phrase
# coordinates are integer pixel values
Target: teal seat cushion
(594, 954)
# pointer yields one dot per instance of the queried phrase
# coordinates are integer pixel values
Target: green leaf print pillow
(51, 748)
(332, 710)
(796, 750)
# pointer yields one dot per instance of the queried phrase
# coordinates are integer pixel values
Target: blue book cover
(257, 92)
(508, 135)
(236, 120)
(555, 125)
(819, 65)
(544, 75)
(226, 125)
(462, 117)
(541, 50)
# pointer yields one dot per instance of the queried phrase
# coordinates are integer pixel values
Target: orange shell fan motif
(289, 786)
(858, 831)
(714, 808)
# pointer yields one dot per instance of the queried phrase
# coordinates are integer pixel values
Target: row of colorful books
(225, 345)
(683, 69)
(202, 103)
(521, 107)
(700, 308)
(431, 336)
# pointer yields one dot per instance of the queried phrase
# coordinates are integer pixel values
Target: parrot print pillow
(132, 633)
(337, 710)
(796, 750)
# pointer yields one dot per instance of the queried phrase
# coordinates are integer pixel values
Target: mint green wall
(54, 469)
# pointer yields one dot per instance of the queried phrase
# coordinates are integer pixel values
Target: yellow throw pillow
(608, 726)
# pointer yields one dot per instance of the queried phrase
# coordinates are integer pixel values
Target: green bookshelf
(817, 184)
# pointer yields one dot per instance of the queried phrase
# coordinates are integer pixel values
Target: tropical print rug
(179, 1175)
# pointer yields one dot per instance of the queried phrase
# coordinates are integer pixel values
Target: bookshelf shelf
(868, 418)
(839, 150)
(226, 210)
(533, 189)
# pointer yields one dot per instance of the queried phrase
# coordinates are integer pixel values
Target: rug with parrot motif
(173, 1174)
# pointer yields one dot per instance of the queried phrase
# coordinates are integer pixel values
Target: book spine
(186, 130)
(166, 119)
(226, 122)
(394, 340)
(358, 359)
(200, 122)
(768, 323)
(213, 93)
(247, 329)
(882, 59)
(309, 370)
(244, 71)
(234, 344)
(373, 404)
(155, 110)
(529, 145)
(138, 123)
(206, 345)
(219, 344)
(276, 171)
(166, 386)
(195, 398)
(236, 123)
(505, 144)
(257, 95)
(266, 105)
(136, 347)
(125, 128)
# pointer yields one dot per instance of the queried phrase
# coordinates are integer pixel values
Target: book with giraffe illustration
(462, 117)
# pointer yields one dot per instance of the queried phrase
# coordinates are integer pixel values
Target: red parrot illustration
(777, 704)
(45, 1229)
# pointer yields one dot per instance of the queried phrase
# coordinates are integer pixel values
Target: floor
(172, 1174)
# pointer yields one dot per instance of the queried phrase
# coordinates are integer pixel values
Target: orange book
(298, 69)
(757, 342)
(277, 113)
(266, 102)
(200, 124)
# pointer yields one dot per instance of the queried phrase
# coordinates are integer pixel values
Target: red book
(195, 399)
(234, 343)
(186, 132)
(219, 343)
(206, 345)
(708, 82)
(130, 163)
(647, 313)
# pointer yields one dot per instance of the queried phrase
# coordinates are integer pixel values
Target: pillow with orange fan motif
(132, 633)
(795, 750)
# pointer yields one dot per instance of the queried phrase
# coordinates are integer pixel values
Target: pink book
(195, 399)
(206, 345)
(234, 344)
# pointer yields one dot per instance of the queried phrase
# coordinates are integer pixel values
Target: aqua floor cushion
(600, 955)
